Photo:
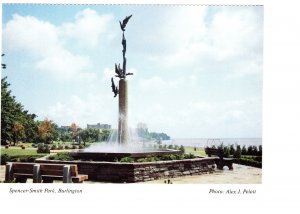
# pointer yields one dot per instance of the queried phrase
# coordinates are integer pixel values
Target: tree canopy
(16, 123)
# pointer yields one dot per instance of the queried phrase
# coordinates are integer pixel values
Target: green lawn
(16, 154)
(199, 151)
(19, 152)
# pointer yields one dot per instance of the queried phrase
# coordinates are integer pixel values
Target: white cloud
(30, 36)
(46, 43)
(231, 39)
(93, 108)
(157, 84)
(89, 28)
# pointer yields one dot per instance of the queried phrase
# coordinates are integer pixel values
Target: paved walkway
(239, 175)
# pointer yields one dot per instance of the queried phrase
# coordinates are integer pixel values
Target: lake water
(202, 142)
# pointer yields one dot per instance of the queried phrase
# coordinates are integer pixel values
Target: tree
(65, 137)
(105, 134)
(260, 150)
(170, 146)
(244, 150)
(226, 151)
(255, 151)
(47, 131)
(12, 112)
(84, 135)
(18, 132)
(238, 152)
(231, 149)
(182, 149)
(250, 150)
(74, 130)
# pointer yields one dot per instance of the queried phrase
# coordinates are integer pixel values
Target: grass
(16, 154)
(19, 152)
(199, 151)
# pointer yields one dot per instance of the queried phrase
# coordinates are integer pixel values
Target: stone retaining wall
(138, 172)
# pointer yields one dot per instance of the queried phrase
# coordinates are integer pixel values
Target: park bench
(220, 153)
(43, 172)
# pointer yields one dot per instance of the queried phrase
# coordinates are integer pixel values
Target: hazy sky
(197, 70)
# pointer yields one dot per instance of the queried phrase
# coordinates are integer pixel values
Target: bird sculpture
(124, 23)
(119, 71)
(114, 88)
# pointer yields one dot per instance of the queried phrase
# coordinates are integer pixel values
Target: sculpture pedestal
(123, 112)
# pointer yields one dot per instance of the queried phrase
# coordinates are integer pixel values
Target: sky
(197, 69)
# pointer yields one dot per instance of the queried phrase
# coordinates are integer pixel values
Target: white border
(281, 119)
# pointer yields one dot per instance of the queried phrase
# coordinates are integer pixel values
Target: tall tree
(12, 112)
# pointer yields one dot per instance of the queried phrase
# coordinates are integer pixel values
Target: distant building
(65, 127)
(142, 126)
(98, 126)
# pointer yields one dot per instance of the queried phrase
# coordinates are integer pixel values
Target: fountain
(125, 147)
(102, 162)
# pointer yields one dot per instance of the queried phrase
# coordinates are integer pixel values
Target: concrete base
(138, 172)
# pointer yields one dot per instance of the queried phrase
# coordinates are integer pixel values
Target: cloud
(48, 44)
(30, 36)
(66, 66)
(93, 108)
(227, 41)
(89, 29)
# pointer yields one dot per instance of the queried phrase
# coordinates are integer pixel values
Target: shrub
(141, 160)
(60, 147)
(61, 156)
(74, 147)
(189, 156)
(244, 150)
(168, 157)
(231, 149)
(25, 158)
(5, 158)
(81, 146)
(249, 162)
(67, 146)
(255, 150)
(53, 147)
(170, 147)
(182, 149)
(250, 150)
(152, 158)
(238, 152)
(226, 152)
(260, 150)
(127, 159)
(43, 148)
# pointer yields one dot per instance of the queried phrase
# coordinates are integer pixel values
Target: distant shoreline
(202, 142)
